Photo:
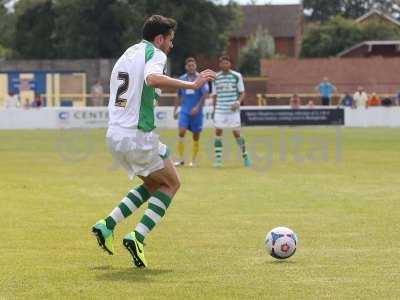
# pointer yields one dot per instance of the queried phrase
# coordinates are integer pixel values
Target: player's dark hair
(190, 59)
(156, 25)
(225, 57)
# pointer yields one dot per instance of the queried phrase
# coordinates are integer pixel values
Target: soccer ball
(281, 242)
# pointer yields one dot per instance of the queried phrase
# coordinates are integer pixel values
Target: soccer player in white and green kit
(228, 93)
(134, 83)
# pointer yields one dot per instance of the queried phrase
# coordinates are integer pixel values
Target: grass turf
(343, 202)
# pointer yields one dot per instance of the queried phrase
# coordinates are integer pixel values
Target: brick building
(375, 74)
(375, 48)
(375, 15)
(283, 22)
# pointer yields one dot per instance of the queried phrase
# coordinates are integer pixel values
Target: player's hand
(203, 77)
(210, 75)
(194, 111)
(175, 115)
(235, 106)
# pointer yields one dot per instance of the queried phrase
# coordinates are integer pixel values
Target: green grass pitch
(338, 189)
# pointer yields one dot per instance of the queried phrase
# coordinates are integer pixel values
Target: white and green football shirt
(131, 104)
(227, 87)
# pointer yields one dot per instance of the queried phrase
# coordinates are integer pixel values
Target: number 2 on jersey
(123, 87)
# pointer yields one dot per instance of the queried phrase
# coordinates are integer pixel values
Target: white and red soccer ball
(281, 242)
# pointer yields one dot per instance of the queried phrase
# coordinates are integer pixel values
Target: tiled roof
(280, 20)
(370, 44)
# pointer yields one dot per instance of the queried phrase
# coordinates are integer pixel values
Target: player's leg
(219, 123)
(235, 123)
(218, 147)
(195, 148)
(103, 229)
(181, 147)
(183, 125)
(242, 145)
(167, 183)
(196, 127)
(149, 184)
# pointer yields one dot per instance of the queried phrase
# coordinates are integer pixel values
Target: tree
(379, 31)
(105, 28)
(22, 5)
(322, 10)
(339, 34)
(89, 29)
(7, 28)
(34, 31)
(203, 27)
(330, 38)
(261, 45)
(356, 8)
(4, 52)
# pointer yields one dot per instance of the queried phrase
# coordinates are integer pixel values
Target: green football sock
(157, 207)
(133, 200)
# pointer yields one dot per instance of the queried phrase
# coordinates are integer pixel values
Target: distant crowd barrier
(293, 117)
(97, 117)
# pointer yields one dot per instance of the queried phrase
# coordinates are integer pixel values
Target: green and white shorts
(139, 153)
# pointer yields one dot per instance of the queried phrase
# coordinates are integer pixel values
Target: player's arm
(241, 98)
(204, 95)
(239, 102)
(202, 100)
(154, 77)
(177, 102)
(242, 94)
(214, 98)
(163, 81)
(199, 105)
(214, 101)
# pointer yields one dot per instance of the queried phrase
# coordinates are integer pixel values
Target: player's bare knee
(151, 187)
(236, 134)
(175, 184)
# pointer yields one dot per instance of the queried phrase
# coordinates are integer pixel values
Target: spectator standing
(27, 104)
(12, 101)
(374, 100)
(326, 89)
(37, 103)
(295, 102)
(388, 102)
(360, 98)
(347, 101)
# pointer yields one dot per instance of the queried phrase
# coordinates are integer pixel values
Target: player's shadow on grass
(109, 273)
(281, 261)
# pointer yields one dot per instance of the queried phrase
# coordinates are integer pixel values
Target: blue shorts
(192, 123)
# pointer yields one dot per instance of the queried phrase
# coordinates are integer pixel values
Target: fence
(97, 117)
